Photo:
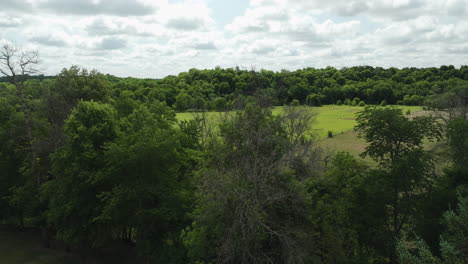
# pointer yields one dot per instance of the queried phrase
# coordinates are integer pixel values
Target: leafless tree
(17, 65)
(451, 105)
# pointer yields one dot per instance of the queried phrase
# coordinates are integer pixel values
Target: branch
(13, 64)
(27, 62)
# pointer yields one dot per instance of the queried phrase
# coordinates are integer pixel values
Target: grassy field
(347, 141)
(338, 119)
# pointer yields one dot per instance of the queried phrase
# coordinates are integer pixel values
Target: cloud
(94, 7)
(107, 27)
(205, 46)
(9, 22)
(111, 43)
(154, 38)
(457, 7)
(48, 41)
(12, 5)
(188, 24)
(461, 50)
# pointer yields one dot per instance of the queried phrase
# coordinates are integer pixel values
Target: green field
(337, 119)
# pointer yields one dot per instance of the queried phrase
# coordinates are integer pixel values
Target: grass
(338, 119)
(348, 141)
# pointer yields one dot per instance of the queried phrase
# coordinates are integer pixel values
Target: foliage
(335, 213)
(404, 167)
(93, 159)
(251, 206)
(453, 243)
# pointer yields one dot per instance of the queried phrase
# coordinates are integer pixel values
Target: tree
(355, 101)
(183, 101)
(252, 207)
(336, 211)
(220, 104)
(452, 104)
(314, 99)
(16, 65)
(72, 195)
(396, 143)
(148, 178)
(453, 244)
(13, 204)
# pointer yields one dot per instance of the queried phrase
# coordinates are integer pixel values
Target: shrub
(295, 102)
(330, 134)
(362, 103)
(383, 103)
(355, 101)
(339, 102)
(314, 100)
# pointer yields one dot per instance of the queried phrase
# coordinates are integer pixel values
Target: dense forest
(90, 159)
(220, 89)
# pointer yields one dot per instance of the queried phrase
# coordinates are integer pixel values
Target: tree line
(233, 88)
(90, 159)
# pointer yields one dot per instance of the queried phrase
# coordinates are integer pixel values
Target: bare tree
(17, 65)
(451, 105)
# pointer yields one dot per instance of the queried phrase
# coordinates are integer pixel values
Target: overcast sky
(155, 38)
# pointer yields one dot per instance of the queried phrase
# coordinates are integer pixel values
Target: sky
(156, 38)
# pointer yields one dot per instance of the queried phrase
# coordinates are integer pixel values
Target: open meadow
(339, 119)
(335, 118)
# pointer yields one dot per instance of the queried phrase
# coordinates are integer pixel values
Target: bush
(339, 102)
(220, 104)
(355, 101)
(408, 112)
(295, 102)
(314, 100)
(383, 103)
(413, 99)
(347, 101)
(330, 134)
(362, 103)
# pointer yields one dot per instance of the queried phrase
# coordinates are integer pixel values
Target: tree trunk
(45, 237)
(396, 233)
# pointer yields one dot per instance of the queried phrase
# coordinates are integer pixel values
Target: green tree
(251, 206)
(183, 101)
(453, 243)
(220, 104)
(77, 167)
(314, 100)
(148, 192)
(336, 213)
(395, 142)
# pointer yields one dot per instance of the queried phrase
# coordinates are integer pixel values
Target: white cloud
(154, 38)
